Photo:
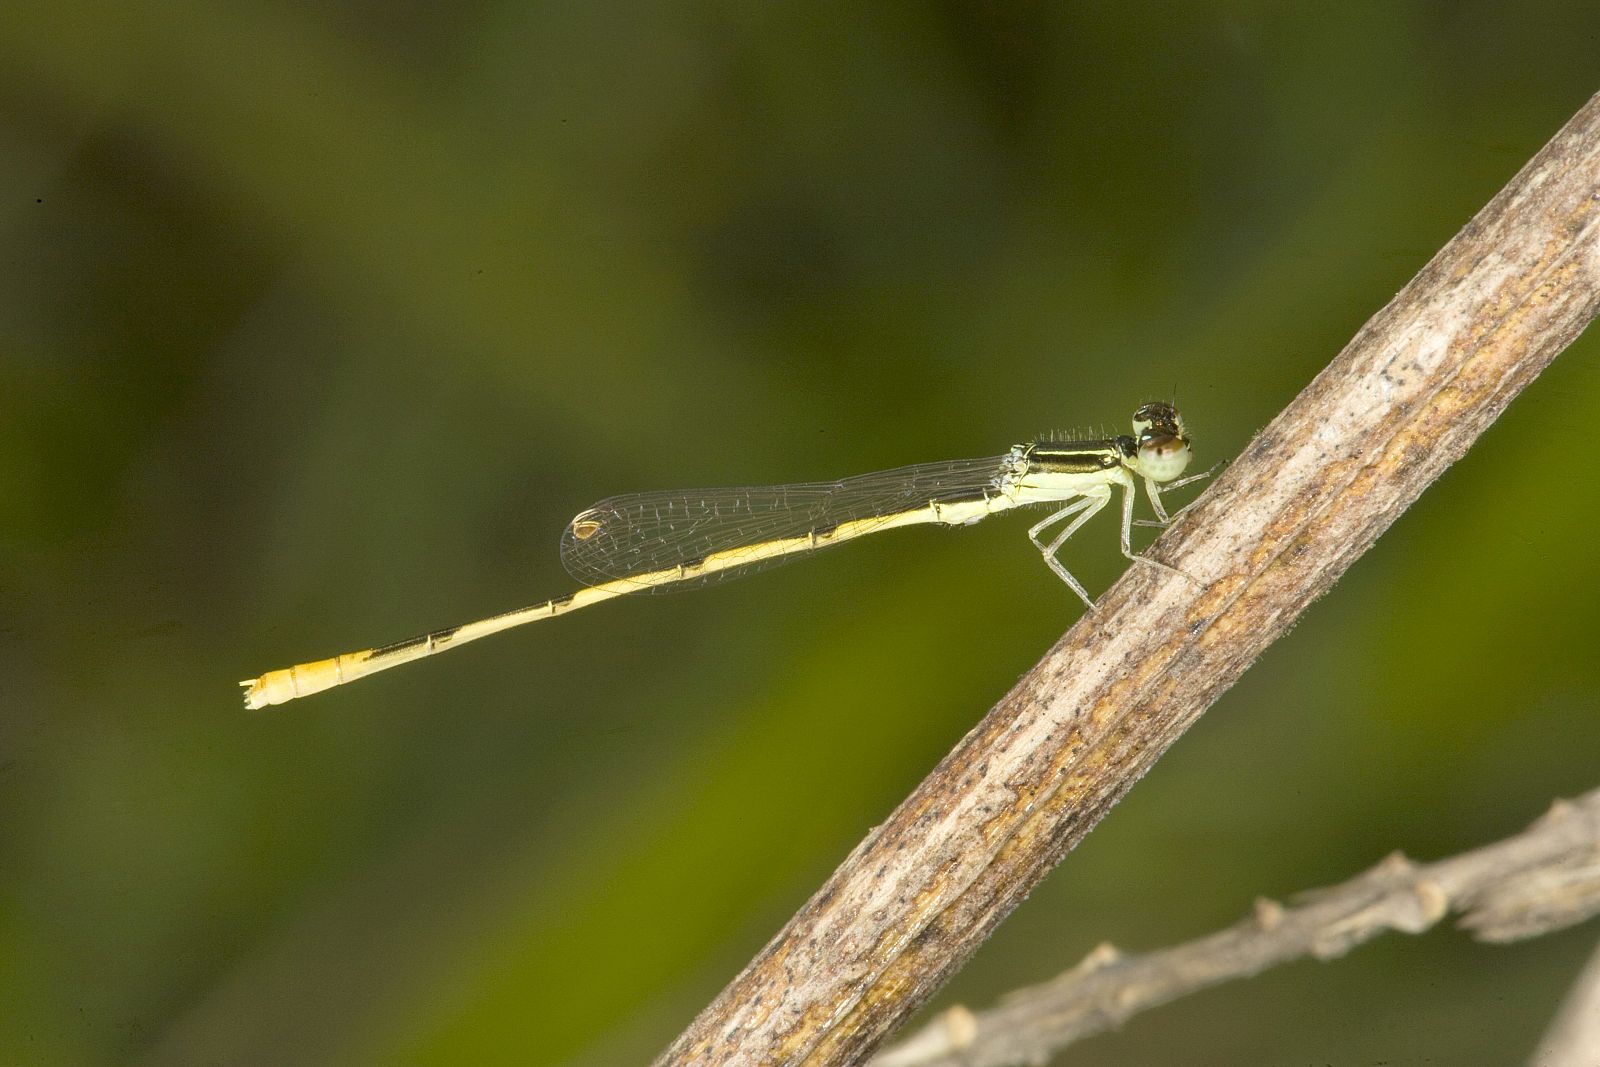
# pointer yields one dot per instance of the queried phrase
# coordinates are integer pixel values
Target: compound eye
(1162, 457)
(1155, 414)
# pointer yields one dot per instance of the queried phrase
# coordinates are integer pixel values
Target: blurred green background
(318, 321)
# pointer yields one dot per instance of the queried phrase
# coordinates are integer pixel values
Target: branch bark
(1573, 1039)
(1405, 399)
(1544, 879)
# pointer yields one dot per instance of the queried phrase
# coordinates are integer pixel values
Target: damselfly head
(1163, 443)
(1160, 417)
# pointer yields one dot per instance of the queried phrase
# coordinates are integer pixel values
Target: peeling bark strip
(1402, 402)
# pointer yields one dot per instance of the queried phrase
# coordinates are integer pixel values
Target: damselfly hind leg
(1089, 506)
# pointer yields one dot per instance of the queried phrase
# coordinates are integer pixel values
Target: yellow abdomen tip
(274, 687)
(277, 687)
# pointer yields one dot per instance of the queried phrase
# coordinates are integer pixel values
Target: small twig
(1544, 879)
(1573, 1039)
(1405, 399)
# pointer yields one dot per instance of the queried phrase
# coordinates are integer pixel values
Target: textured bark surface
(1544, 879)
(1405, 399)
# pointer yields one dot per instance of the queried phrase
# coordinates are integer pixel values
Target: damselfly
(661, 541)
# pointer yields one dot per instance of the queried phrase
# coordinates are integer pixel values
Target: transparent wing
(643, 533)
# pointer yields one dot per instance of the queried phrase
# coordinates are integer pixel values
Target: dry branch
(1573, 1039)
(1544, 879)
(1403, 401)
